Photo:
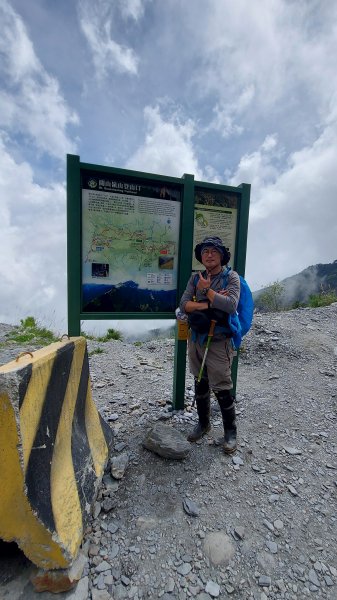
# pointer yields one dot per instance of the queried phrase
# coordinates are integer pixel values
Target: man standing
(205, 299)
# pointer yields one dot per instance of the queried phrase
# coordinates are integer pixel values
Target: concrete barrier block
(54, 447)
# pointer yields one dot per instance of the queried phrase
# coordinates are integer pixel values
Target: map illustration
(129, 242)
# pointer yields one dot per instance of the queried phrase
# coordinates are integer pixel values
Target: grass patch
(98, 350)
(111, 334)
(87, 336)
(30, 331)
(324, 298)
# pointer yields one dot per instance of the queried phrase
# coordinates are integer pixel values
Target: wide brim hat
(217, 243)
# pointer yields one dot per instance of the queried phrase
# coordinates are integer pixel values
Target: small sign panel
(215, 214)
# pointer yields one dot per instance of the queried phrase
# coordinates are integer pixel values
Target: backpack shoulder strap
(195, 283)
(225, 275)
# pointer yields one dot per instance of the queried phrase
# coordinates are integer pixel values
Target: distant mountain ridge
(126, 296)
(298, 288)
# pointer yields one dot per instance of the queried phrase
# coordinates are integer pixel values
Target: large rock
(218, 548)
(167, 442)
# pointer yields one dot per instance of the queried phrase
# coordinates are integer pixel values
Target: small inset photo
(166, 262)
(99, 270)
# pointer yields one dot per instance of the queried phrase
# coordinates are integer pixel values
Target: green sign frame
(187, 187)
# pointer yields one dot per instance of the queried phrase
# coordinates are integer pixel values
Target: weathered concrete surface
(54, 447)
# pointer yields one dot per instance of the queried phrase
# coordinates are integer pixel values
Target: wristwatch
(205, 291)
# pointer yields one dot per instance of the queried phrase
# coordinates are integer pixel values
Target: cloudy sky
(230, 91)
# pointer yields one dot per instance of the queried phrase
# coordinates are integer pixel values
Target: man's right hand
(192, 306)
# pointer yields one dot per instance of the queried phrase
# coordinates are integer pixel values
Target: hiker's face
(211, 258)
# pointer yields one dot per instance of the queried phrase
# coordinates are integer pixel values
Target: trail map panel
(130, 243)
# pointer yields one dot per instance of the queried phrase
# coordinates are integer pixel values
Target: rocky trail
(261, 524)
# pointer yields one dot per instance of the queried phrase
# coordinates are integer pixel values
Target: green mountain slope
(298, 288)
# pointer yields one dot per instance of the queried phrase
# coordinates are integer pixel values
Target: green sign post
(130, 242)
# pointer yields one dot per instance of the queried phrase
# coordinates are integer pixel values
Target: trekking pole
(210, 335)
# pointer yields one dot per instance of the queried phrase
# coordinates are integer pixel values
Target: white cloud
(168, 147)
(258, 168)
(226, 114)
(31, 103)
(33, 241)
(131, 9)
(223, 122)
(293, 211)
(265, 66)
(96, 21)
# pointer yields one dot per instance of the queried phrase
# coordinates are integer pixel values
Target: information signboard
(130, 244)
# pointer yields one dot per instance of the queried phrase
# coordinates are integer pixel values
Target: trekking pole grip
(211, 329)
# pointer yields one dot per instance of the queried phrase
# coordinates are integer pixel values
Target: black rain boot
(227, 407)
(203, 402)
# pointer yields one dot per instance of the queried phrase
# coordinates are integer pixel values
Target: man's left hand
(204, 283)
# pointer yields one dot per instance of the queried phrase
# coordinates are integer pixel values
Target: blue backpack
(241, 321)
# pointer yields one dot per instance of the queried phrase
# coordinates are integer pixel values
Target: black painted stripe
(108, 433)
(81, 454)
(25, 377)
(39, 463)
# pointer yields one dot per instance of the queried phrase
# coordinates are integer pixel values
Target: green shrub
(28, 323)
(111, 334)
(270, 298)
(29, 331)
(324, 298)
(298, 304)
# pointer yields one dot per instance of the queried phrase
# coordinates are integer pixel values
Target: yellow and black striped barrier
(54, 447)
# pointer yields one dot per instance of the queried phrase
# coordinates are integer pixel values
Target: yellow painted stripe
(17, 520)
(16, 365)
(97, 443)
(31, 409)
(64, 495)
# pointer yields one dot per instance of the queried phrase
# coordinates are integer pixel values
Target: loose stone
(272, 546)
(313, 578)
(292, 490)
(170, 585)
(191, 508)
(167, 442)
(103, 566)
(278, 524)
(118, 465)
(184, 569)
(114, 551)
(292, 451)
(239, 531)
(212, 588)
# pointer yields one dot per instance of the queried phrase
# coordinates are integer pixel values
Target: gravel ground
(266, 517)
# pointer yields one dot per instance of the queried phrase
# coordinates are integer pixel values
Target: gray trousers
(218, 363)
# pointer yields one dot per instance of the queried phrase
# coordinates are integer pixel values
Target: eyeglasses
(211, 251)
